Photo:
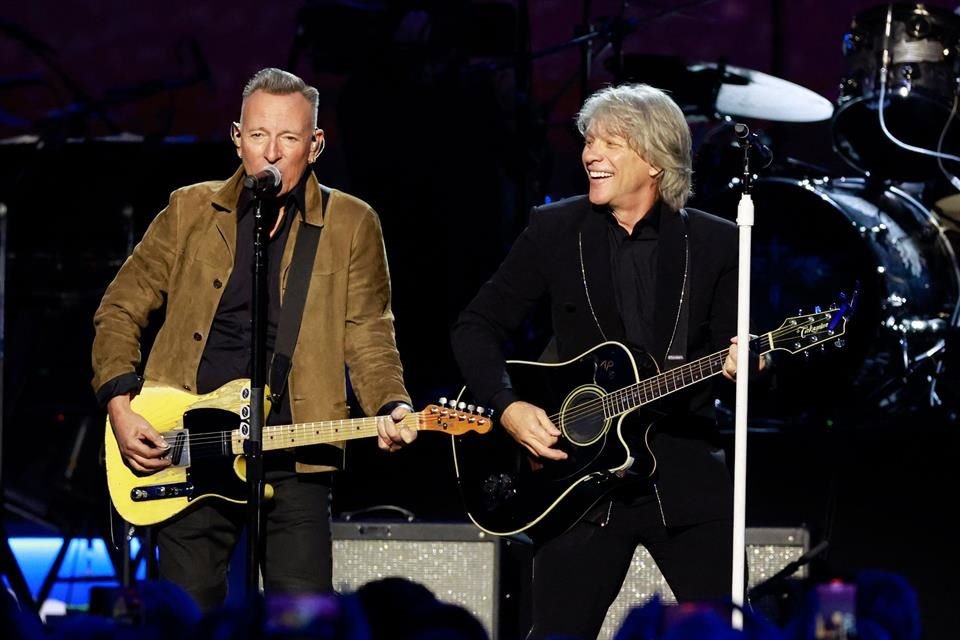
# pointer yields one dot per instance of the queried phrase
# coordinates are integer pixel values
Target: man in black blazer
(625, 263)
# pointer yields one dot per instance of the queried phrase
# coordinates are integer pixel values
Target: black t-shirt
(226, 355)
(633, 268)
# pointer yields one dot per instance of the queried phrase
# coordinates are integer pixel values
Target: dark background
(452, 119)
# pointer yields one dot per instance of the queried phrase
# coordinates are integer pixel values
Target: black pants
(195, 548)
(578, 574)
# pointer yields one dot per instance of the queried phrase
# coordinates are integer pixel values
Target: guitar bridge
(179, 452)
(162, 491)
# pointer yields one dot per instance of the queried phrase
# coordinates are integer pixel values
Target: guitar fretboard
(308, 433)
(639, 394)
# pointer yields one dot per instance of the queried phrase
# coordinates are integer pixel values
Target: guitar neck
(289, 436)
(655, 387)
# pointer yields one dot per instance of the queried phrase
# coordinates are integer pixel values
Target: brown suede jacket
(187, 255)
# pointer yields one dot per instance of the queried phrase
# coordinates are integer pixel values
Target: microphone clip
(750, 141)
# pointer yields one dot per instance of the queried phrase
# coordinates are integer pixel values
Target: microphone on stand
(744, 135)
(266, 181)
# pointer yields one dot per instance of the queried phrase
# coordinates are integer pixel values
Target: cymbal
(708, 89)
(752, 94)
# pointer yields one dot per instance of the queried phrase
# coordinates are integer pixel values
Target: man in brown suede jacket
(195, 259)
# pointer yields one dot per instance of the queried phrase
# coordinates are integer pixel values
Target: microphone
(265, 181)
(744, 135)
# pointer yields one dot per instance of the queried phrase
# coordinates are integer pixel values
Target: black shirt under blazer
(692, 481)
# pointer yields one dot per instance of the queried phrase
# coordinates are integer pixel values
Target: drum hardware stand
(118, 544)
(912, 364)
(120, 537)
(121, 531)
(8, 561)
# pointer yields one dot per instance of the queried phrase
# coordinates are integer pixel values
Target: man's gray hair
(279, 82)
(653, 126)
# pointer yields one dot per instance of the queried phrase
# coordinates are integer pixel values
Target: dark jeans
(578, 574)
(195, 548)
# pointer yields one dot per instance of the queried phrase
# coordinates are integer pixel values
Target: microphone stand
(253, 444)
(745, 226)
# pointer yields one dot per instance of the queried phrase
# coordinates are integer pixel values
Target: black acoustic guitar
(507, 491)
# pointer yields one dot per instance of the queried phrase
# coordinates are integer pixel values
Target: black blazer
(564, 255)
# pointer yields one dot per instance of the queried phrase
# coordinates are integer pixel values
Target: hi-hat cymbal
(708, 89)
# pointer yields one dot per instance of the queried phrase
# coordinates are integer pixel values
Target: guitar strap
(677, 350)
(294, 300)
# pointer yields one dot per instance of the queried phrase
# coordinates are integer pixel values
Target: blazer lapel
(671, 266)
(225, 201)
(595, 254)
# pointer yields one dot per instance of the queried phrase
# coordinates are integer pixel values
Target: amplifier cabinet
(458, 562)
(489, 575)
(768, 550)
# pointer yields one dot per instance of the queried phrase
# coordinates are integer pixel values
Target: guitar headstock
(801, 332)
(455, 418)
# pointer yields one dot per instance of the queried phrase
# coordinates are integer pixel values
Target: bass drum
(921, 85)
(816, 239)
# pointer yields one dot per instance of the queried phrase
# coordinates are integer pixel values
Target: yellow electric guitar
(206, 446)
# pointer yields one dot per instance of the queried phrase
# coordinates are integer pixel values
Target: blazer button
(217, 284)
(197, 337)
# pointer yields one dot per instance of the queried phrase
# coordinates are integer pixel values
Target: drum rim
(879, 12)
(816, 187)
(843, 108)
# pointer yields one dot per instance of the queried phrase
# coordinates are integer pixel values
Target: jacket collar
(225, 198)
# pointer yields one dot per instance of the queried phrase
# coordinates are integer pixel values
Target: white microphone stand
(745, 225)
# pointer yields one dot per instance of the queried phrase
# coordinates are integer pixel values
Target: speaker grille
(769, 549)
(458, 562)
(461, 564)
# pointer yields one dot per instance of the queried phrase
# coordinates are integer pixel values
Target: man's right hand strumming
(142, 447)
(531, 427)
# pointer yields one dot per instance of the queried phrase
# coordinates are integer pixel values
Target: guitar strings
(211, 444)
(596, 407)
(629, 394)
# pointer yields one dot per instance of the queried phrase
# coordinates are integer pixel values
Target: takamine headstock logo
(813, 329)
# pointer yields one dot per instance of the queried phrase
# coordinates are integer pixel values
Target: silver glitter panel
(458, 563)
(769, 549)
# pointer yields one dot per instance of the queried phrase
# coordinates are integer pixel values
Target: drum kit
(818, 234)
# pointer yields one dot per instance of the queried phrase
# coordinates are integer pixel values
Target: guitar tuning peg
(442, 401)
(817, 309)
(462, 405)
(839, 343)
(470, 408)
(480, 411)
